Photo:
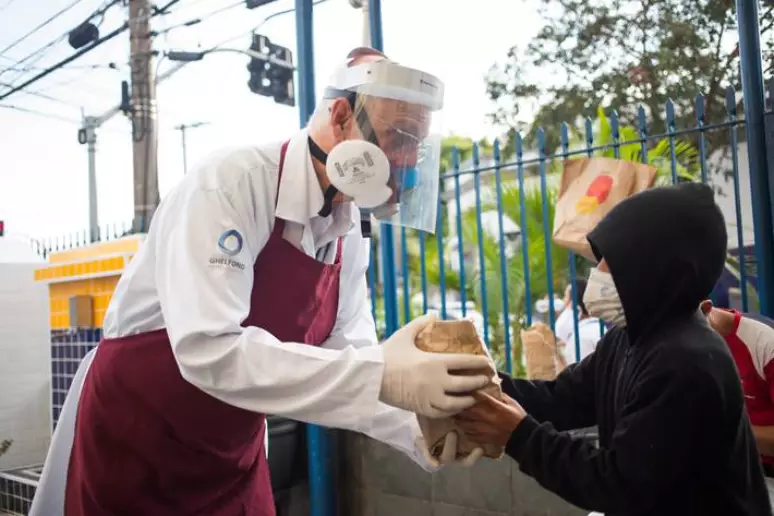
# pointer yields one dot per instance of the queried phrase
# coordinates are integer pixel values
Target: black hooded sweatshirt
(674, 436)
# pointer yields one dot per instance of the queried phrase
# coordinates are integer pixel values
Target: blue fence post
(322, 494)
(386, 235)
(754, 114)
(480, 238)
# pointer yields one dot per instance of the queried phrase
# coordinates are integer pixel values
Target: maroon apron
(148, 443)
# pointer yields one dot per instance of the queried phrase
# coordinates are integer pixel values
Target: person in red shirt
(752, 345)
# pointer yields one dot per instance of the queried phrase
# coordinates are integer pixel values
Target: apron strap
(279, 224)
(339, 245)
(283, 152)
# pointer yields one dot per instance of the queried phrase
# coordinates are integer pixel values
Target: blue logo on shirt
(230, 242)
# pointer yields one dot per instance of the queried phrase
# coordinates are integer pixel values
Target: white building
(488, 196)
(720, 176)
(25, 360)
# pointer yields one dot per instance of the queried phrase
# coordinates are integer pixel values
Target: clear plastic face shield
(391, 174)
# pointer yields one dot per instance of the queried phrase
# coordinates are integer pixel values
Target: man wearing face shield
(248, 297)
(662, 387)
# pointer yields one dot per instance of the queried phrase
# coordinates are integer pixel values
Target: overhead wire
(40, 53)
(269, 17)
(198, 19)
(45, 96)
(82, 51)
(52, 116)
(6, 5)
(41, 25)
(141, 225)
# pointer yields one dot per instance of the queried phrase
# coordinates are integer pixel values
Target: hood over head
(665, 248)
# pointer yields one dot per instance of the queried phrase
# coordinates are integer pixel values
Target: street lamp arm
(187, 57)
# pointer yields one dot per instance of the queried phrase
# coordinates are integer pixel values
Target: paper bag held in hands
(455, 337)
(540, 352)
(589, 189)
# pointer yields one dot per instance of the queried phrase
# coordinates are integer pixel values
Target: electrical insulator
(83, 35)
(126, 101)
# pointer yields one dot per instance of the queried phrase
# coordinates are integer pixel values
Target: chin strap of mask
(330, 192)
(321, 156)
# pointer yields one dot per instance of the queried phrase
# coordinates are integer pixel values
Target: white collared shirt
(181, 280)
(589, 335)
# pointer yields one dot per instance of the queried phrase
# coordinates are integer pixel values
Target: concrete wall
(25, 367)
(376, 480)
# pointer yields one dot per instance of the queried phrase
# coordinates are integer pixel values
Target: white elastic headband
(388, 79)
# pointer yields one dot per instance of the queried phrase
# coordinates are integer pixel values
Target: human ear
(341, 117)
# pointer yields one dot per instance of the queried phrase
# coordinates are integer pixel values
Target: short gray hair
(353, 57)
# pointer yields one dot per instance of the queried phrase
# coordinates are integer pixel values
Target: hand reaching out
(491, 420)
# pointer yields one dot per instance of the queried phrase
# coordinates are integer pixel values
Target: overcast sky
(43, 176)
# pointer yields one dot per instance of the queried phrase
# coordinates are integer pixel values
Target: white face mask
(360, 170)
(601, 298)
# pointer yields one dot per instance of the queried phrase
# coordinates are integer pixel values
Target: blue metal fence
(474, 267)
(522, 188)
(471, 268)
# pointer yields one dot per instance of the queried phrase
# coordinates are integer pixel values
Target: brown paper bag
(455, 337)
(589, 189)
(540, 352)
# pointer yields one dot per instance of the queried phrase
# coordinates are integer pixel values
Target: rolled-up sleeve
(207, 241)
(355, 328)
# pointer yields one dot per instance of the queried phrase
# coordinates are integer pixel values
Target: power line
(6, 5)
(201, 18)
(42, 95)
(268, 18)
(33, 31)
(31, 59)
(84, 50)
(39, 113)
(66, 61)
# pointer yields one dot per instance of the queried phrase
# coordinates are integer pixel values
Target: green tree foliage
(623, 53)
(464, 147)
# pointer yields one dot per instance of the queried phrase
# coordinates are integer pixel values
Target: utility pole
(143, 115)
(183, 128)
(89, 135)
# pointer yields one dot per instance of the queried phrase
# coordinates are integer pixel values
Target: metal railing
(470, 268)
(492, 257)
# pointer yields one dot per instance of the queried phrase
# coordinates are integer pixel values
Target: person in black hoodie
(674, 436)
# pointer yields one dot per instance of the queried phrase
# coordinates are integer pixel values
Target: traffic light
(271, 71)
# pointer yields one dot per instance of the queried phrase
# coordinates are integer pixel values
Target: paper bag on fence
(540, 352)
(589, 189)
(455, 337)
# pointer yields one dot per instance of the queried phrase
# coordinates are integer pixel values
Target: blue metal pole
(305, 58)
(760, 176)
(386, 236)
(322, 494)
(375, 24)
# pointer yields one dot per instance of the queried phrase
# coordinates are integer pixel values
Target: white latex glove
(449, 453)
(424, 383)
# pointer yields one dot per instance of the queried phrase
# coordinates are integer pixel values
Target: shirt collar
(300, 197)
